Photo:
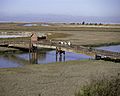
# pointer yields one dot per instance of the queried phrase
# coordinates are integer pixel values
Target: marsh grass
(82, 35)
(58, 35)
(15, 39)
(105, 87)
(103, 44)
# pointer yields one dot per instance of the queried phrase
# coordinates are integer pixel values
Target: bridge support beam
(33, 54)
(60, 53)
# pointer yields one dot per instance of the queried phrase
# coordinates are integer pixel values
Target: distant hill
(59, 18)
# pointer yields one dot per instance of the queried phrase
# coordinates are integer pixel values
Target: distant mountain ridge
(58, 18)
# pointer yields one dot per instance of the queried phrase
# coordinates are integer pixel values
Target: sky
(61, 7)
(99, 8)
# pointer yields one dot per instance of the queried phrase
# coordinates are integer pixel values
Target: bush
(104, 87)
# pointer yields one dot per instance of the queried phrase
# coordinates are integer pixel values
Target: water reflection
(38, 57)
(44, 57)
(8, 62)
(60, 57)
(33, 58)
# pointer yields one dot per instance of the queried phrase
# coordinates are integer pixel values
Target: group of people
(65, 43)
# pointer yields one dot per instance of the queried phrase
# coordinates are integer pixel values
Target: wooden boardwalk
(25, 44)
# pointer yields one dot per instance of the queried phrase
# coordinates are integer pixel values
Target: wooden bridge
(97, 53)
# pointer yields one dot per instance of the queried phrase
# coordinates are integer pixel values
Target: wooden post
(30, 51)
(64, 57)
(56, 57)
(57, 50)
(60, 57)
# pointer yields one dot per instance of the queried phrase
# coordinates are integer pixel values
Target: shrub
(104, 87)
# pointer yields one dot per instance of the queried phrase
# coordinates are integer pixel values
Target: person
(69, 43)
(90, 49)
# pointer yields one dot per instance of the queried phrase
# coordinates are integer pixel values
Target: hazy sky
(61, 7)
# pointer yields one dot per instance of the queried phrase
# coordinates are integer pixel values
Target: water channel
(45, 56)
(113, 48)
(41, 57)
(30, 25)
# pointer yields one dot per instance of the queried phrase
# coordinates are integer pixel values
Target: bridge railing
(56, 43)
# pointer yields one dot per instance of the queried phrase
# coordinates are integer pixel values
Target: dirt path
(52, 79)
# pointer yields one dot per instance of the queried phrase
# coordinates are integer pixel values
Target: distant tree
(90, 24)
(83, 23)
(95, 23)
(100, 23)
(72, 23)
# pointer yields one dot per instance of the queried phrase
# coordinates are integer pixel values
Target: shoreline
(4, 50)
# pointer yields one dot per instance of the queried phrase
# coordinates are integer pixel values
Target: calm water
(50, 56)
(12, 36)
(7, 63)
(29, 25)
(43, 57)
(115, 48)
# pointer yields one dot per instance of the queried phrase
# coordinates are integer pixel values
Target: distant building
(37, 37)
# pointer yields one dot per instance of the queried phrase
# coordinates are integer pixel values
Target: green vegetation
(104, 87)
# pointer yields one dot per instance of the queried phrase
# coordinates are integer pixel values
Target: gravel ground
(62, 79)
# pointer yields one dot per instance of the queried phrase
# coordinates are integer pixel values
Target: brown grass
(18, 27)
(57, 79)
(81, 35)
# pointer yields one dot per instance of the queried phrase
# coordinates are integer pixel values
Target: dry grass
(17, 27)
(55, 35)
(87, 38)
(61, 79)
(82, 35)
(58, 79)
